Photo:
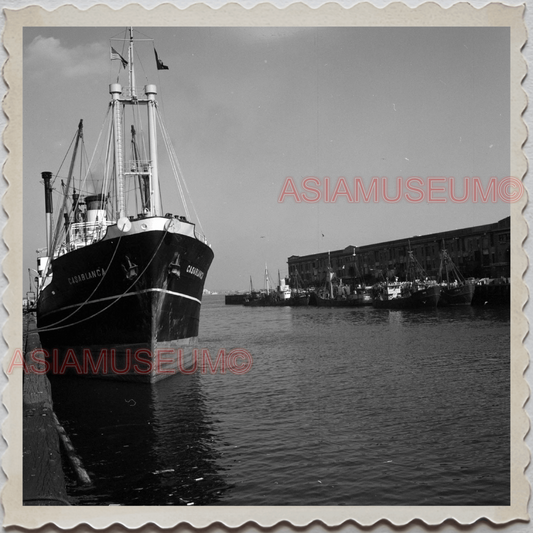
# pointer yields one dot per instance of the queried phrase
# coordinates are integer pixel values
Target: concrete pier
(43, 477)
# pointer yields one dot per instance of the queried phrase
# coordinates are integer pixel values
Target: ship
(121, 282)
(299, 297)
(455, 290)
(268, 297)
(417, 291)
(257, 298)
(335, 293)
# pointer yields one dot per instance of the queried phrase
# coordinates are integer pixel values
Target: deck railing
(84, 233)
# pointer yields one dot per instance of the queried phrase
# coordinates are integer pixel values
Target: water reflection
(142, 445)
(340, 407)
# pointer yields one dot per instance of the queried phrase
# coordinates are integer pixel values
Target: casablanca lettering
(195, 271)
(85, 276)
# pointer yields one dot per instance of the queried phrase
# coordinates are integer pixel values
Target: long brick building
(479, 251)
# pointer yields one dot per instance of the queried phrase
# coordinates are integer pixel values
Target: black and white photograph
(267, 265)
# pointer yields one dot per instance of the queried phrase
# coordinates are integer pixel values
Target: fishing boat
(415, 292)
(120, 284)
(299, 296)
(335, 293)
(361, 292)
(268, 297)
(455, 290)
(255, 298)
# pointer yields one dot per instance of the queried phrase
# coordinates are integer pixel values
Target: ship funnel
(96, 211)
(49, 208)
(47, 176)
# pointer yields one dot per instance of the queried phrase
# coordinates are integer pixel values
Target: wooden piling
(43, 477)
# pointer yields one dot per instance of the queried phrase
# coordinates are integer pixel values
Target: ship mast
(116, 90)
(131, 98)
(155, 199)
(131, 67)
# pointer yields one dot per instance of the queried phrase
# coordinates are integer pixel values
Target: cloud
(46, 55)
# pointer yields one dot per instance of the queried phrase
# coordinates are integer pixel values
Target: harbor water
(341, 406)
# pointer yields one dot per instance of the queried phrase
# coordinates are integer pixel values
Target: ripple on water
(341, 407)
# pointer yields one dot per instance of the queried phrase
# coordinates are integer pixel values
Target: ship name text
(85, 276)
(195, 272)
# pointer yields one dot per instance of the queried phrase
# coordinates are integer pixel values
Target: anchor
(174, 266)
(131, 270)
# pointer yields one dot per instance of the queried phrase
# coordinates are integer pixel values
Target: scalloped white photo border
(395, 14)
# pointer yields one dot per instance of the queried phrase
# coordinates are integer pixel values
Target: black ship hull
(235, 299)
(460, 295)
(353, 300)
(270, 301)
(266, 301)
(426, 297)
(132, 299)
(299, 300)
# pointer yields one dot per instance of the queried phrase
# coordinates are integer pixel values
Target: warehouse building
(479, 252)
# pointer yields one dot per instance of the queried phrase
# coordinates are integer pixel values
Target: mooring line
(71, 453)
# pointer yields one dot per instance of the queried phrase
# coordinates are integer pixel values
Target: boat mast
(267, 281)
(144, 185)
(151, 91)
(75, 206)
(154, 203)
(155, 200)
(444, 266)
(330, 276)
(131, 68)
(116, 90)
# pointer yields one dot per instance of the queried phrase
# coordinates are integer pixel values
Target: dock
(43, 477)
(495, 293)
(235, 299)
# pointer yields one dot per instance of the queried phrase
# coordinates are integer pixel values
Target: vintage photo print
(265, 265)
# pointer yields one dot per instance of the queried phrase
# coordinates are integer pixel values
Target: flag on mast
(115, 55)
(160, 65)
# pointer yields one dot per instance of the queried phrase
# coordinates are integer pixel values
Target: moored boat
(460, 294)
(269, 297)
(406, 295)
(121, 284)
(455, 290)
(298, 299)
(235, 299)
(416, 291)
(321, 299)
(298, 295)
(335, 293)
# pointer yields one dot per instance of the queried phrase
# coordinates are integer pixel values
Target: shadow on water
(141, 445)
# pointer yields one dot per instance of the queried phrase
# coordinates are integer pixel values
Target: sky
(248, 107)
